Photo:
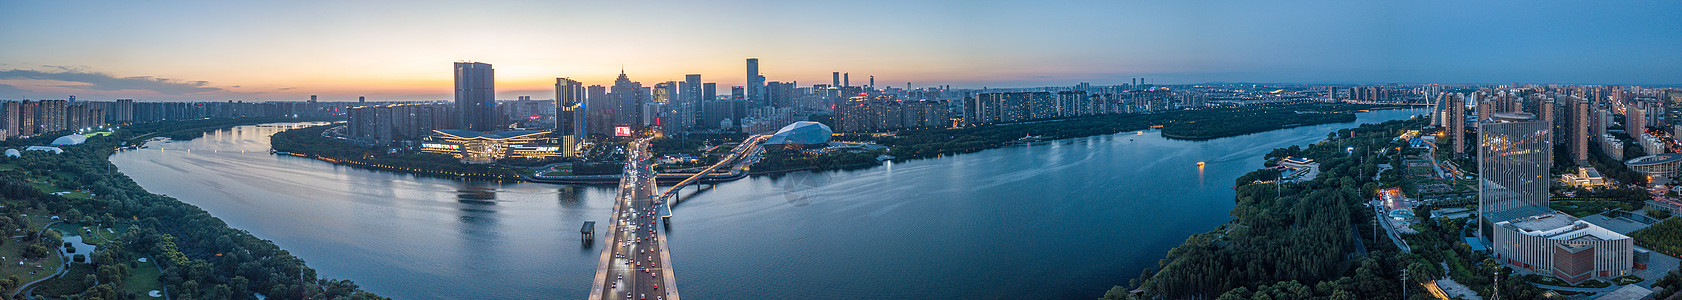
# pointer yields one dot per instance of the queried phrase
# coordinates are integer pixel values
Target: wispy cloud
(98, 81)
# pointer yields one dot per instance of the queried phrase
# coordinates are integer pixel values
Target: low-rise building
(1586, 177)
(1558, 244)
(1658, 168)
(488, 147)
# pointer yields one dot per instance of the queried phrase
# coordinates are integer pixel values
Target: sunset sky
(403, 50)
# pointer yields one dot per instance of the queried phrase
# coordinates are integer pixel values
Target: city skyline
(344, 50)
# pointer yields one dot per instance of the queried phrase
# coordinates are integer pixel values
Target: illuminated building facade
(1513, 161)
(481, 147)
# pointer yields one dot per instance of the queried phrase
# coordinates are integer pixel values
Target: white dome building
(72, 139)
(800, 135)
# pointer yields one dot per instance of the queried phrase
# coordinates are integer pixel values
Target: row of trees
(201, 257)
(1666, 236)
(785, 160)
(1185, 124)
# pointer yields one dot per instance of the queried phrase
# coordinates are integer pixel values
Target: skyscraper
(709, 91)
(628, 97)
(569, 96)
(476, 96)
(755, 82)
(599, 111)
(690, 111)
(1514, 154)
(835, 79)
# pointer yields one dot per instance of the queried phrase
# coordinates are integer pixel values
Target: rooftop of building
(1661, 158)
(469, 134)
(1513, 116)
(1560, 226)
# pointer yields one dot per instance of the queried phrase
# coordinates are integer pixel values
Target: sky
(403, 50)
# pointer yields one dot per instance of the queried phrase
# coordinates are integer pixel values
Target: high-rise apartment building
(1635, 117)
(27, 115)
(476, 96)
(1579, 140)
(1456, 121)
(9, 121)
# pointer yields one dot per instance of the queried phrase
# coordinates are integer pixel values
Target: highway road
(634, 266)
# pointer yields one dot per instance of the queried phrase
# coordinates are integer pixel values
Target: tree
(36, 251)
(72, 215)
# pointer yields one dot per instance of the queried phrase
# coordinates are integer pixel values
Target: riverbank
(1288, 236)
(1314, 239)
(190, 242)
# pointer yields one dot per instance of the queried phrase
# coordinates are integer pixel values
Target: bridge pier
(588, 232)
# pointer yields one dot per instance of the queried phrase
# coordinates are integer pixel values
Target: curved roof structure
(13, 153)
(1662, 158)
(469, 134)
(73, 139)
(801, 133)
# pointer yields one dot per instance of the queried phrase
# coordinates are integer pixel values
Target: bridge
(636, 262)
(737, 162)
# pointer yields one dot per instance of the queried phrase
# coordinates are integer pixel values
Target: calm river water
(1062, 219)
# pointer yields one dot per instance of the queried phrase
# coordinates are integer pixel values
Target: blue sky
(392, 50)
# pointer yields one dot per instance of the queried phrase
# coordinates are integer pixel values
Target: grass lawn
(8, 166)
(9, 267)
(37, 219)
(558, 173)
(142, 278)
(47, 188)
(99, 236)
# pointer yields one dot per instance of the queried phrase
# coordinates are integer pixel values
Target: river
(1059, 219)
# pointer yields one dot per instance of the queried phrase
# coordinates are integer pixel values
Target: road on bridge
(634, 266)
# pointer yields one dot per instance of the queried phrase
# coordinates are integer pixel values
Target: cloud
(11, 92)
(106, 82)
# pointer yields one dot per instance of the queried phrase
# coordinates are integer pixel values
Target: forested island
(309, 142)
(146, 242)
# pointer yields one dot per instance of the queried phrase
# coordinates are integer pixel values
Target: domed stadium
(72, 139)
(801, 135)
